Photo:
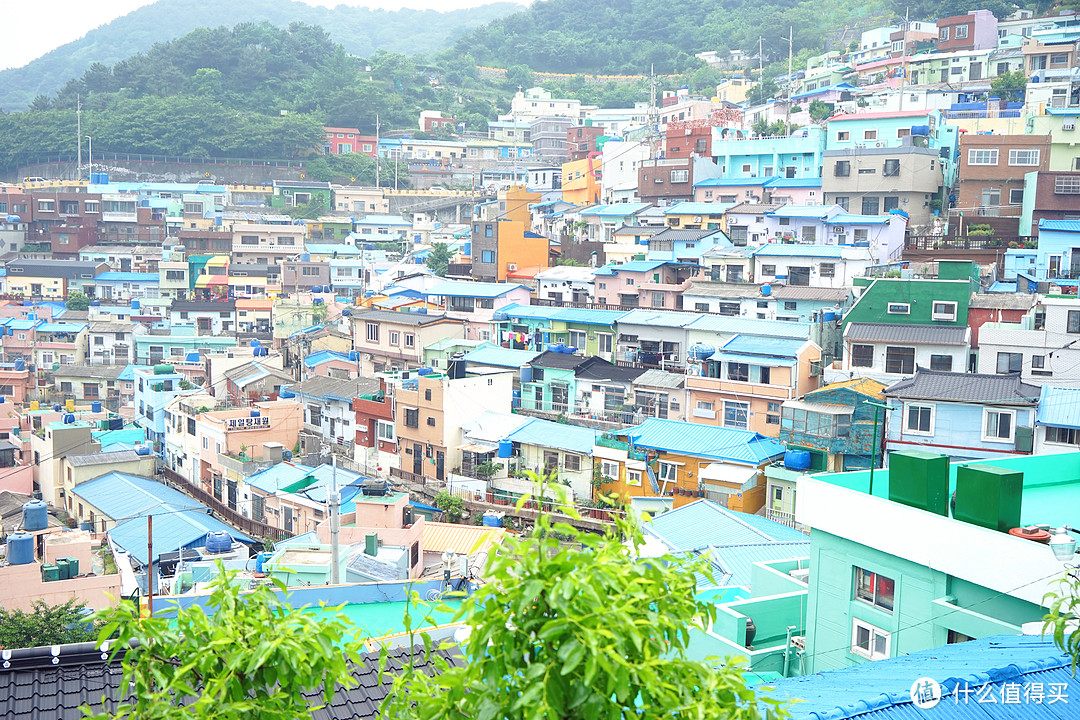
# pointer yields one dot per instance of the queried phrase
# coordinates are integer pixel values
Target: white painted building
(889, 352)
(566, 283)
(824, 266)
(1044, 346)
(620, 161)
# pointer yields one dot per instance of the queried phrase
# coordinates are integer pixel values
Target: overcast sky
(33, 28)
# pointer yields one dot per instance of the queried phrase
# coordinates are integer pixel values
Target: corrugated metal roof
(806, 292)
(56, 327)
(698, 208)
(457, 288)
(491, 426)
(1059, 406)
(908, 334)
(805, 211)
(724, 356)
(272, 479)
(851, 219)
(735, 563)
(965, 387)
(324, 356)
(705, 441)
(616, 210)
(545, 433)
(128, 276)
(1060, 225)
(704, 524)
(783, 182)
(752, 326)
(462, 539)
(780, 250)
(660, 379)
(882, 689)
(501, 357)
(755, 345)
(632, 266)
(104, 458)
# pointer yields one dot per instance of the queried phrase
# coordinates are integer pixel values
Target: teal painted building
(150, 349)
(533, 327)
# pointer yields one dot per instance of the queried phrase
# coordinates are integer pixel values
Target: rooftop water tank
(69, 419)
(20, 364)
(143, 450)
(493, 519)
(95, 406)
(20, 548)
(57, 407)
(425, 371)
(286, 455)
(506, 448)
(316, 289)
(218, 542)
(701, 351)
(164, 369)
(135, 305)
(557, 347)
(286, 394)
(354, 356)
(256, 413)
(346, 312)
(95, 303)
(766, 290)
(35, 516)
(798, 460)
(13, 218)
(828, 315)
(255, 343)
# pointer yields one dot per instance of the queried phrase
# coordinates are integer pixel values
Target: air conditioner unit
(1068, 124)
(697, 218)
(511, 267)
(879, 144)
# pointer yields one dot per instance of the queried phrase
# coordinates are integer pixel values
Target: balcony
(738, 387)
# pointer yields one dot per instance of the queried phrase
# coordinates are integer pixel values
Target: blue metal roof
(1060, 225)
(882, 689)
(325, 356)
(462, 288)
(752, 326)
(1059, 406)
(126, 276)
(698, 208)
(545, 433)
(734, 565)
(586, 316)
(703, 523)
(501, 357)
(632, 266)
(725, 356)
(851, 219)
(803, 211)
(273, 478)
(178, 519)
(383, 220)
(756, 345)
(779, 250)
(706, 441)
(731, 182)
(57, 327)
(330, 249)
(615, 210)
(784, 182)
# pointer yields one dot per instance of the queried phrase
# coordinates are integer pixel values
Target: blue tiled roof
(126, 276)
(1059, 406)
(178, 519)
(851, 219)
(703, 524)
(882, 689)
(461, 288)
(705, 441)
(545, 433)
(501, 357)
(780, 250)
(324, 356)
(1060, 225)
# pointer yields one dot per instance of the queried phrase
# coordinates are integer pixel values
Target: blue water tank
(1, 399)
(354, 356)
(20, 364)
(135, 305)
(218, 542)
(506, 448)
(95, 303)
(86, 525)
(558, 347)
(828, 315)
(492, 520)
(260, 561)
(316, 288)
(346, 312)
(766, 289)
(35, 516)
(95, 406)
(143, 450)
(256, 413)
(57, 407)
(798, 460)
(286, 394)
(569, 350)
(13, 218)
(286, 455)
(255, 343)
(425, 371)
(103, 178)
(69, 419)
(20, 548)
(316, 301)
(466, 249)
(305, 257)
(526, 373)
(701, 351)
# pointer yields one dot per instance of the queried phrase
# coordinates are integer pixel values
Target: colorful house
(581, 181)
(645, 283)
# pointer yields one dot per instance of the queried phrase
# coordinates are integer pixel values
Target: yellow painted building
(581, 181)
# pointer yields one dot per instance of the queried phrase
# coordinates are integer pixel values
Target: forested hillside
(360, 30)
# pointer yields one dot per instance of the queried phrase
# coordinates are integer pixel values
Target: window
(998, 425)
(572, 463)
(487, 256)
(843, 136)
(869, 135)
(93, 206)
(944, 311)
(773, 413)
(827, 270)
(46, 206)
(577, 338)
(943, 34)
(1024, 158)
(427, 394)
(982, 156)
(1059, 59)
(738, 371)
(736, 414)
(667, 472)
(870, 206)
(899, 309)
(920, 419)
(1064, 436)
(768, 270)
(941, 362)
(843, 202)
(1016, 196)
(791, 305)
(961, 32)
(842, 168)
(1009, 362)
(551, 459)
(875, 589)
(1067, 185)
(900, 360)
(410, 340)
(1073, 322)
(892, 168)
(862, 356)
(737, 233)
(680, 176)
(395, 336)
(412, 418)
(431, 422)
(867, 640)
(372, 332)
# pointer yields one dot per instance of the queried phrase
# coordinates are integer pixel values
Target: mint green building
(534, 327)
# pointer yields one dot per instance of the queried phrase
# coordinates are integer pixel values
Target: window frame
(875, 586)
(873, 632)
(901, 371)
(1030, 153)
(861, 346)
(982, 156)
(921, 408)
(1000, 412)
(943, 315)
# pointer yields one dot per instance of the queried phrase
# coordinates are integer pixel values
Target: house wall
(956, 430)
(21, 586)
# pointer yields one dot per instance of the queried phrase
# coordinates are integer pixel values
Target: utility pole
(150, 565)
(376, 149)
(654, 114)
(335, 522)
(790, 81)
(903, 70)
(78, 135)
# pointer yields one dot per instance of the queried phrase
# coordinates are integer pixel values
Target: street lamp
(878, 407)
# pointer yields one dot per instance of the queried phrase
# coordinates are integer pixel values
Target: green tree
(762, 92)
(571, 625)
(438, 259)
(1061, 621)
(451, 505)
(1010, 86)
(820, 110)
(45, 625)
(253, 657)
(77, 301)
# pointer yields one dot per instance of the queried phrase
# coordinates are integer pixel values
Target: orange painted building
(581, 181)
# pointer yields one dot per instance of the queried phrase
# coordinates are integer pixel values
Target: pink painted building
(644, 283)
(22, 585)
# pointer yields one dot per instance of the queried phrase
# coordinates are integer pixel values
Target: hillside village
(830, 342)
